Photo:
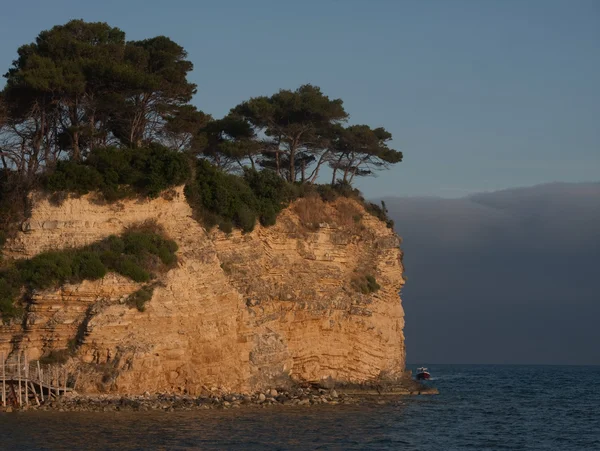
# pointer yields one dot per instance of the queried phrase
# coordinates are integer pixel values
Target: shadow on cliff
(502, 277)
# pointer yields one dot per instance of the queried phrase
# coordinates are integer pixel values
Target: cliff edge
(314, 297)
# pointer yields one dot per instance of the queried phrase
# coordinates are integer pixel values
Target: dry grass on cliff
(312, 211)
(348, 213)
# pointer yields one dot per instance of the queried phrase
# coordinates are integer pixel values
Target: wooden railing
(24, 380)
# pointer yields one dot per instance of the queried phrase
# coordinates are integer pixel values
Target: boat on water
(423, 374)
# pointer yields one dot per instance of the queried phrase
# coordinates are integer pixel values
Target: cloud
(502, 277)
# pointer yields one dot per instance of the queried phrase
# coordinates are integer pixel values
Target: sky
(479, 95)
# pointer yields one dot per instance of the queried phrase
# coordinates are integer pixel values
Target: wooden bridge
(25, 382)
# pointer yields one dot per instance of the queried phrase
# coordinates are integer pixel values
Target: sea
(480, 407)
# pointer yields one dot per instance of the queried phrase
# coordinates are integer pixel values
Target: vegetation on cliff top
(85, 110)
(139, 253)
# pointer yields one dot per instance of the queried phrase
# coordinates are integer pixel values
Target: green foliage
(119, 173)
(9, 290)
(231, 201)
(380, 212)
(99, 84)
(359, 150)
(135, 254)
(272, 194)
(88, 265)
(297, 124)
(365, 284)
(74, 177)
(130, 268)
(140, 297)
(12, 203)
(82, 85)
(47, 269)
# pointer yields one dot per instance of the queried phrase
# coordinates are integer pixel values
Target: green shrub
(87, 265)
(244, 217)
(372, 284)
(139, 298)
(73, 177)
(13, 204)
(272, 194)
(268, 214)
(120, 173)
(47, 269)
(327, 193)
(166, 255)
(226, 226)
(134, 254)
(9, 290)
(380, 212)
(231, 201)
(129, 267)
(158, 168)
(345, 189)
(365, 284)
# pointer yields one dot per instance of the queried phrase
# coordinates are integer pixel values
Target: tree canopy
(296, 126)
(83, 108)
(82, 85)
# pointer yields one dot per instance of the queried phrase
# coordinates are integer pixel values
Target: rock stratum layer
(240, 312)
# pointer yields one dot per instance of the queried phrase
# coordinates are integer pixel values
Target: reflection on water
(480, 407)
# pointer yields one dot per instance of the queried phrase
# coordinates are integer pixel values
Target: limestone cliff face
(240, 311)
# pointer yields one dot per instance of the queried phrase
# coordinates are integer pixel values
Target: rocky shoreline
(73, 402)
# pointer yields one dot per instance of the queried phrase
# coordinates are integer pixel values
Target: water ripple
(479, 408)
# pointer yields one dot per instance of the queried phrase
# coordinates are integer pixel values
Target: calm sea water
(479, 408)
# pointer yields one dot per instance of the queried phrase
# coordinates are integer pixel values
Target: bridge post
(3, 381)
(19, 377)
(26, 378)
(41, 379)
(56, 374)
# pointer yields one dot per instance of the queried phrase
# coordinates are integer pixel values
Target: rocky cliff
(240, 311)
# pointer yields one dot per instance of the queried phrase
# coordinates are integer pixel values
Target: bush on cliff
(380, 213)
(119, 173)
(365, 284)
(138, 254)
(9, 291)
(13, 204)
(229, 200)
(139, 298)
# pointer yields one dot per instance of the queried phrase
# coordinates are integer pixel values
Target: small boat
(423, 374)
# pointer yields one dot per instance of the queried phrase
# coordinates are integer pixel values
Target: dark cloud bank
(504, 277)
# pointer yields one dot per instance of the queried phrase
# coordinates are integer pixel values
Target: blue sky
(479, 95)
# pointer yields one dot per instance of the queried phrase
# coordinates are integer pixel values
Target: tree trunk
(336, 168)
(75, 134)
(346, 170)
(315, 173)
(292, 174)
